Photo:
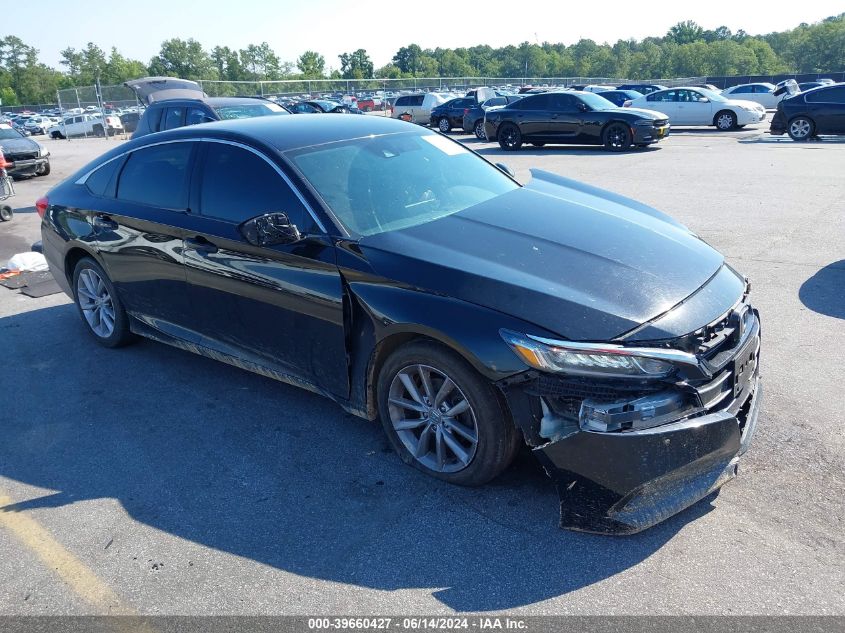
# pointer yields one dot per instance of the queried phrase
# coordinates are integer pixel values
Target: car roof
(284, 133)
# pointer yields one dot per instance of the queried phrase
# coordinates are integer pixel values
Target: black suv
(173, 103)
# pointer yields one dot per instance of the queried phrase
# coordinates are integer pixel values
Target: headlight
(645, 122)
(749, 108)
(596, 359)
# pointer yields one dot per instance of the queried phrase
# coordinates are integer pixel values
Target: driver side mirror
(583, 107)
(506, 169)
(270, 229)
(703, 100)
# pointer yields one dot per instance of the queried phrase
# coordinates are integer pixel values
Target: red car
(370, 103)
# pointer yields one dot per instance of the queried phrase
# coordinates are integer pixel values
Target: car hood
(742, 103)
(151, 89)
(643, 112)
(572, 259)
(17, 145)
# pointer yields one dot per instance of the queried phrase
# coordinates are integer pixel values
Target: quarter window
(237, 185)
(101, 181)
(157, 176)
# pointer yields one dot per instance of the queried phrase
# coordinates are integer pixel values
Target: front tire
(442, 417)
(99, 132)
(45, 170)
(443, 125)
(6, 213)
(617, 137)
(509, 137)
(801, 128)
(725, 121)
(99, 305)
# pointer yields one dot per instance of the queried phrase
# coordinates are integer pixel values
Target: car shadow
(824, 292)
(241, 464)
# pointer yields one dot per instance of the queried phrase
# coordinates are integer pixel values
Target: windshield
(384, 183)
(713, 96)
(7, 133)
(596, 101)
(249, 110)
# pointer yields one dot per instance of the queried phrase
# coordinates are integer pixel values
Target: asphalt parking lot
(149, 480)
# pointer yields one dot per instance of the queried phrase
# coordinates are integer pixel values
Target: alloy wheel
(479, 130)
(617, 137)
(95, 302)
(433, 418)
(443, 124)
(725, 121)
(799, 128)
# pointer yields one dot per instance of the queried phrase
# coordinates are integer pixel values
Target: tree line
(685, 50)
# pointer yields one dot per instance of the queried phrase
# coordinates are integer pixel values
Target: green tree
(407, 59)
(260, 62)
(182, 58)
(356, 65)
(8, 96)
(685, 32)
(311, 64)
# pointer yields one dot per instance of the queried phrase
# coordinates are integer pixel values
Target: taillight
(41, 205)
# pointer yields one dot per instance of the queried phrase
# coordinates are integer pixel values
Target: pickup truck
(86, 125)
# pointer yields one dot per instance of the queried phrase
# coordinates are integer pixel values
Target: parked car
(762, 93)
(473, 119)
(23, 156)
(370, 103)
(451, 114)
(583, 118)
(808, 114)
(86, 125)
(40, 124)
(416, 283)
(419, 106)
(321, 106)
(709, 87)
(619, 97)
(596, 88)
(809, 85)
(130, 120)
(642, 88)
(697, 106)
(173, 103)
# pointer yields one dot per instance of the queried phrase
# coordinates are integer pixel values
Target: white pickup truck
(86, 125)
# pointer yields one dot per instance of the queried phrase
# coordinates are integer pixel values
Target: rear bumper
(622, 483)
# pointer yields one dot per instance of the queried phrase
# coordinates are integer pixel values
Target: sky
(332, 27)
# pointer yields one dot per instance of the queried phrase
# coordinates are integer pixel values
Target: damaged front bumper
(622, 483)
(621, 460)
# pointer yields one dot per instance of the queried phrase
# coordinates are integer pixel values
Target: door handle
(201, 245)
(104, 222)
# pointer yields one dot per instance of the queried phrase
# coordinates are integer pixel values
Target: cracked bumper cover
(622, 483)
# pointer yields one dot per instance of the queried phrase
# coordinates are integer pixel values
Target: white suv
(419, 106)
(86, 125)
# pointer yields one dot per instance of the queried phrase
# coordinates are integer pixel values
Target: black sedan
(582, 118)
(450, 114)
(389, 268)
(23, 156)
(473, 121)
(808, 114)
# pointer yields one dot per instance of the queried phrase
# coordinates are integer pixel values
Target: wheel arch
(384, 318)
(720, 111)
(72, 257)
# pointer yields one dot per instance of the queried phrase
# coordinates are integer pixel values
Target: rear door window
(157, 176)
(828, 95)
(175, 117)
(417, 100)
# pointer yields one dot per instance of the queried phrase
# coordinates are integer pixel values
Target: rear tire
(509, 137)
(99, 305)
(801, 128)
(478, 129)
(443, 125)
(99, 132)
(480, 433)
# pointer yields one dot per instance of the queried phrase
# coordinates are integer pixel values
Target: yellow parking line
(84, 582)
